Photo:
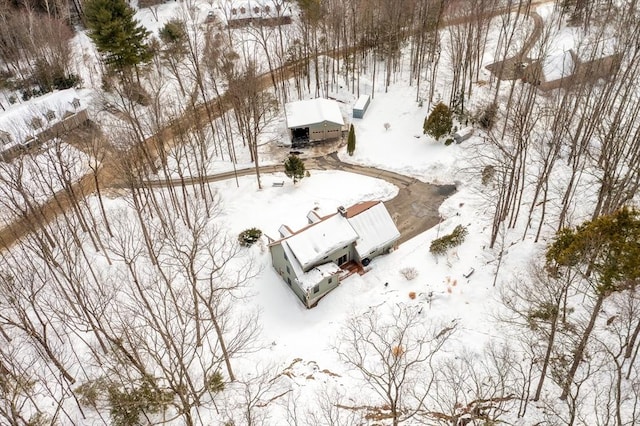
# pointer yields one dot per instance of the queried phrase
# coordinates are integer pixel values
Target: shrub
(488, 116)
(487, 174)
(409, 273)
(215, 382)
(72, 80)
(440, 245)
(137, 94)
(249, 237)
(89, 393)
(351, 140)
(128, 405)
(173, 32)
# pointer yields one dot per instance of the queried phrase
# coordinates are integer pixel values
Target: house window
(285, 256)
(267, 9)
(36, 123)
(243, 10)
(316, 289)
(234, 11)
(289, 281)
(256, 9)
(5, 138)
(288, 270)
(330, 280)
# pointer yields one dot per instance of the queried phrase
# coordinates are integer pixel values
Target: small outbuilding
(313, 260)
(463, 134)
(313, 120)
(361, 106)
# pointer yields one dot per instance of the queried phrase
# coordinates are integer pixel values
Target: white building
(313, 260)
(314, 120)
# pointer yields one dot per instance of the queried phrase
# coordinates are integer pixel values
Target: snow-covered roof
(306, 280)
(558, 66)
(284, 231)
(18, 119)
(367, 223)
(361, 102)
(375, 228)
(315, 242)
(313, 216)
(313, 276)
(244, 9)
(312, 111)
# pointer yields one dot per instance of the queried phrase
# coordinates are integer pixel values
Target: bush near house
(351, 141)
(249, 237)
(440, 245)
(409, 273)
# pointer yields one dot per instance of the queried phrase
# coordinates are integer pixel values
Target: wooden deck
(351, 268)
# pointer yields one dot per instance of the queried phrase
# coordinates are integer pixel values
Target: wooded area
(135, 316)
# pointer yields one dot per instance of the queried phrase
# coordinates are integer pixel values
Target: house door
(342, 259)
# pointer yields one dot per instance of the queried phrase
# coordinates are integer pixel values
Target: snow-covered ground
(461, 289)
(36, 176)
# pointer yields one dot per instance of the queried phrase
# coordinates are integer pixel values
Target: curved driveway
(421, 200)
(414, 209)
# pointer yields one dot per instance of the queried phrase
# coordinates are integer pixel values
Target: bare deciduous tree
(394, 355)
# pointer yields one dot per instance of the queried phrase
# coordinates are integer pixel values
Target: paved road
(510, 68)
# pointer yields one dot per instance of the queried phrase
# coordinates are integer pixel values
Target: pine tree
(607, 250)
(294, 168)
(117, 35)
(608, 246)
(439, 122)
(351, 141)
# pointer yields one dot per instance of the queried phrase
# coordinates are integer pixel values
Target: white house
(240, 13)
(27, 124)
(313, 260)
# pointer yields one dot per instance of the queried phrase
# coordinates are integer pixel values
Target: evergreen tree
(117, 35)
(294, 168)
(173, 32)
(604, 250)
(608, 246)
(439, 122)
(351, 141)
